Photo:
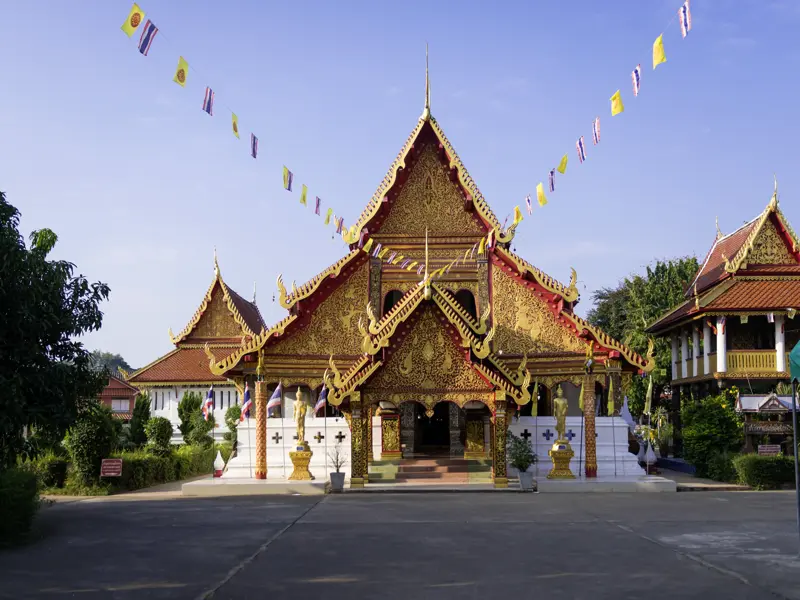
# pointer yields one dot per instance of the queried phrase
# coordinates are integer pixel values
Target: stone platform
(620, 483)
(251, 487)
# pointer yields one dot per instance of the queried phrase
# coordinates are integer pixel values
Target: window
(120, 404)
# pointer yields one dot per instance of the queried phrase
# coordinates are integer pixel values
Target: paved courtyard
(401, 546)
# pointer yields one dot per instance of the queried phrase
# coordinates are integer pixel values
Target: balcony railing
(752, 361)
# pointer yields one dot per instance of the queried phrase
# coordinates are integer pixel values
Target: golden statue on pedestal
(561, 452)
(301, 457)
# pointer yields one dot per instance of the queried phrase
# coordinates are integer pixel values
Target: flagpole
(249, 447)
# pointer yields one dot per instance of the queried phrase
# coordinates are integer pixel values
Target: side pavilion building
(416, 365)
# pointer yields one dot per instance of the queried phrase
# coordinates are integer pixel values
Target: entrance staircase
(431, 470)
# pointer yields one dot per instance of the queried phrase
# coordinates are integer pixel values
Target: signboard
(111, 467)
(769, 449)
(768, 427)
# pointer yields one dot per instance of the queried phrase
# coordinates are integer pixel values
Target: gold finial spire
(773, 203)
(719, 232)
(426, 113)
(254, 292)
(216, 264)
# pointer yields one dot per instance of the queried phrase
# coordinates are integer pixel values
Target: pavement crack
(237, 568)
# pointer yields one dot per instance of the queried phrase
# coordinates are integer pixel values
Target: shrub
(764, 472)
(141, 469)
(19, 501)
(159, 434)
(140, 417)
(188, 407)
(90, 440)
(232, 416)
(710, 426)
(50, 469)
(199, 432)
(520, 453)
(720, 467)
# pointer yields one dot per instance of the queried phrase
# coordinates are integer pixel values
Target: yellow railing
(752, 361)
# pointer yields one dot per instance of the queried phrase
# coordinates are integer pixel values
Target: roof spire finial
(426, 113)
(719, 232)
(216, 264)
(254, 292)
(773, 203)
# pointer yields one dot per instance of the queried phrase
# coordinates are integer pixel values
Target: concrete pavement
(731, 545)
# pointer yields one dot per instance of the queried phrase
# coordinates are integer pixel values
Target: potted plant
(521, 456)
(338, 460)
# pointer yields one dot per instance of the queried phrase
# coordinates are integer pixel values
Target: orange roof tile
(180, 365)
(713, 268)
(758, 295)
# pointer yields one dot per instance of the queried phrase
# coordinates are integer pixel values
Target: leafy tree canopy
(108, 361)
(45, 373)
(626, 310)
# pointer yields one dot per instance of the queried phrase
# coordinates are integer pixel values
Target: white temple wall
(164, 403)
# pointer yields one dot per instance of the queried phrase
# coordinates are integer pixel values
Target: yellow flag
(235, 124)
(611, 407)
(397, 259)
(535, 400)
(304, 195)
(135, 18)
(658, 51)
(328, 216)
(616, 104)
(482, 247)
(580, 399)
(181, 72)
(517, 216)
(383, 252)
(412, 265)
(368, 245)
(540, 194)
(562, 166)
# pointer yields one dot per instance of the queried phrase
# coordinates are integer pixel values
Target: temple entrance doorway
(435, 430)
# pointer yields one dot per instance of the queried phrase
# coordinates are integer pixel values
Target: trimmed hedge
(19, 501)
(159, 434)
(764, 472)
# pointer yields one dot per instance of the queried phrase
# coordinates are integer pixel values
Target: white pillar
(706, 348)
(695, 349)
(722, 350)
(780, 344)
(684, 354)
(674, 356)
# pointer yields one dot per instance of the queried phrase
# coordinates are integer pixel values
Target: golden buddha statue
(561, 452)
(560, 407)
(300, 409)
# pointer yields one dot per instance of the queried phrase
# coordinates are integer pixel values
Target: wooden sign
(111, 467)
(769, 449)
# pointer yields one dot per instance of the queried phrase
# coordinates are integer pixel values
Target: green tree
(108, 361)
(232, 417)
(159, 435)
(188, 407)
(45, 372)
(200, 434)
(91, 439)
(141, 414)
(626, 310)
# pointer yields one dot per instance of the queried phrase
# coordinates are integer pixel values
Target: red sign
(111, 467)
(769, 449)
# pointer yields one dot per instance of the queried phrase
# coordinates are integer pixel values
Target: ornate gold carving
(561, 453)
(769, 248)
(308, 288)
(499, 446)
(429, 199)
(216, 321)
(390, 433)
(254, 345)
(341, 308)
(525, 323)
(426, 341)
(590, 441)
(300, 460)
(475, 447)
(569, 293)
(261, 430)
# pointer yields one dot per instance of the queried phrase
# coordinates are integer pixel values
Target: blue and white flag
(684, 16)
(552, 180)
(323, 397)
(581, 148)
(253, 146)
(529, 204)
(317, 206)
(275, 400)
(391, 257)
(339, 224)
(595, 131)
(148, 35)
(636, 77)
(208, 405)
(208, 101)
(247, 404)
(377, 249)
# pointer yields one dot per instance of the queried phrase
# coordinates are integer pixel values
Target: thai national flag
(684, 16)
(247, 403)
(208, 405)
(528, 204)
(581, 147)
(275, 399)
(208, 101)
(552, 180)
(339, 224)
(148, 35)
(636, 77)
(323, 398)
(391, 257)
(377, 249)
(596, 131)
(253, 146)
(317, 206)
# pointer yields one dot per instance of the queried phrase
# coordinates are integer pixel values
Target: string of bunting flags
(684, 16)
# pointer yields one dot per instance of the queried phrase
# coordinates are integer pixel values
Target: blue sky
(101, 146)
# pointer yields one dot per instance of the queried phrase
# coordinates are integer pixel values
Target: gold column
(261, 430)
(370, 411)
(390, 436)
(483, 285)
(499, 441)
(589, 432)
(358, 453)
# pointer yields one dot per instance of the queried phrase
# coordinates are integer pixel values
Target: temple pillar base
(357, 482)
(500, 482)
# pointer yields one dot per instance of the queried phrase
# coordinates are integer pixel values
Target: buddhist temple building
(418, 361)
(737, 323)
(223, 321)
